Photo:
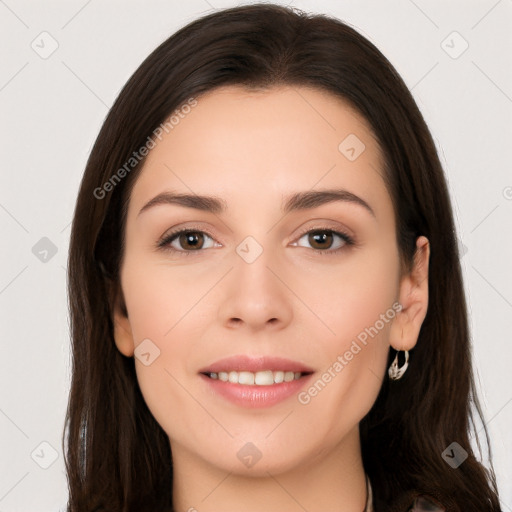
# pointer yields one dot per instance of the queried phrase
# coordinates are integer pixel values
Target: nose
(255, 295)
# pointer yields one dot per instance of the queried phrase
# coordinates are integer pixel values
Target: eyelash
(164, 243)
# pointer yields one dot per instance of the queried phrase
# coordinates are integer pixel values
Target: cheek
(355, 304)
(352, 296)
(161, 299)
(164, 308)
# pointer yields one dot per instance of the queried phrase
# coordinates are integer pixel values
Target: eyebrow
(295, 202)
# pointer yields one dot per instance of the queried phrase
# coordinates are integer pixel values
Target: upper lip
(254, 364)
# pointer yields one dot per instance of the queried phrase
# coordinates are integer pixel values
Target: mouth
(256, 382)
(259, 378)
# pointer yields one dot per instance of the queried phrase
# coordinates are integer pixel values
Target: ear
(122, 329)
(414, 300)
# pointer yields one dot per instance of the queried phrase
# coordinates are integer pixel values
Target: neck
(333, 480)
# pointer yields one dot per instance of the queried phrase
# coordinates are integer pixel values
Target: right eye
(190, 240)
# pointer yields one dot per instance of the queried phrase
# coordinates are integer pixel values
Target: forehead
(239, 144)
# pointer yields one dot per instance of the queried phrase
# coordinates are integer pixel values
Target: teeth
(245, 378)
(278, 377)
(263, 378)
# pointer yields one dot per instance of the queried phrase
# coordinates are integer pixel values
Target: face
(258, 274)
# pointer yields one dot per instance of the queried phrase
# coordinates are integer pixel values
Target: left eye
(323, 239)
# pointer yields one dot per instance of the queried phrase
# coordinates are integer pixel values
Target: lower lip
(254, 397)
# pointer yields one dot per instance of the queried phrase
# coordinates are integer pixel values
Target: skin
(252, 149)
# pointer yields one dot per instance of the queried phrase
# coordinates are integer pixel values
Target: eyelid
(325, 225)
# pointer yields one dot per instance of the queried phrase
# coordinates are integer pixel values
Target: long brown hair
(118, 457)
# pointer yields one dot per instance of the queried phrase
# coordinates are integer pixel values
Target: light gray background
(52, 109)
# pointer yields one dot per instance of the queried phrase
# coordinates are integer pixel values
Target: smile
(261, 378)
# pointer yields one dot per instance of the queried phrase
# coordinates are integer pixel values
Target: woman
(267, 307)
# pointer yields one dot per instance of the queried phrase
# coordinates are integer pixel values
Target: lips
(242, 363)
(264, 393)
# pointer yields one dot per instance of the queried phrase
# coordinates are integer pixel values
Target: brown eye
(191, 240)
(186, 241)
(320, 240)
(323, 240)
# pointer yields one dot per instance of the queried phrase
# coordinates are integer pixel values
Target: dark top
(424, 504)
(413, 502)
